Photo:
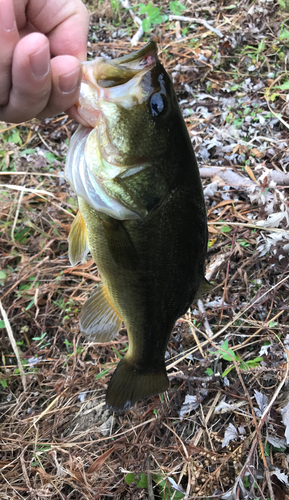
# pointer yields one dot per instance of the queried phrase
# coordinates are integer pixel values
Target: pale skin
(41, 45)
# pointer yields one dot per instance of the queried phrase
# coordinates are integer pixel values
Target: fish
(141, 215)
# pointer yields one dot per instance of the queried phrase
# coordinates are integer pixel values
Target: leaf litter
(221, 431)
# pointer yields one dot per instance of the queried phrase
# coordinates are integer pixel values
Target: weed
(284, 4)
(167, 486)
(176, 8)
(228, 355)
(153, 14)
(255, 52)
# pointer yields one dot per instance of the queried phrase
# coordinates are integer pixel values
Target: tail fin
(128, 384)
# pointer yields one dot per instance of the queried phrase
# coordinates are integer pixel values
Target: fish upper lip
(126, 67)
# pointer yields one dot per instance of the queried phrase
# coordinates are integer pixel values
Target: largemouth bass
(141, 215)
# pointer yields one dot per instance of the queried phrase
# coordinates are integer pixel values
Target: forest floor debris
(222, 429)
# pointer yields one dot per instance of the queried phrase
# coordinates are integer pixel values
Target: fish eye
(157, 104)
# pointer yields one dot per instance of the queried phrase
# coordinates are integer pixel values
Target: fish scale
(152, 261)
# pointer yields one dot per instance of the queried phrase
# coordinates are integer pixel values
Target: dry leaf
(257, 153)
(231, 434)
(250, 173)
(98, 463)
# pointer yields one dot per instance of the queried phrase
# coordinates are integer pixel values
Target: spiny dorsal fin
(99, 320)
(120, 244)
(77, 239)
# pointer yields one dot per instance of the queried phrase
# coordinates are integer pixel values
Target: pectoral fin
(120, 244)
(204, 287)
(99, 320)
(77, 239)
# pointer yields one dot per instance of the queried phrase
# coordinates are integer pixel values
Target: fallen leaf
(250, 173)
(257, 153)
(98, 463)
(231, 434)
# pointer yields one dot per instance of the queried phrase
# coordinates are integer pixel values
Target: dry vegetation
(221, 431)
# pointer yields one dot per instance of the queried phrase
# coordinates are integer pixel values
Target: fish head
(129, 105)
(129, 100)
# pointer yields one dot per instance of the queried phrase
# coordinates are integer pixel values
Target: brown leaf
(257, 153)
(98, 463)
(250, 173)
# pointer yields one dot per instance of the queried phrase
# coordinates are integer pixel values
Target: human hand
(31, 83)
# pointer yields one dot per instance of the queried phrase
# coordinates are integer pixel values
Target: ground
(221, 430)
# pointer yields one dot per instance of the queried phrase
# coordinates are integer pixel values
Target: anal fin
(77, 239)
(99, 320)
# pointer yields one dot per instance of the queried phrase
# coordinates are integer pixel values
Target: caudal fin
(128, 384)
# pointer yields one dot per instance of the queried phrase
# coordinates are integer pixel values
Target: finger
(74, 114)
(64, 22)
(9, 37)
(31, 79)
(66, 74)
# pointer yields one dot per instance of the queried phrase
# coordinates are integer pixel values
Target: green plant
(284, 33)
(243, 243)
(101, 374)
(2, 277)
(176, 8)
(3, 382)
(153, 14)
(255, 51)
(41, 340)
(284, 4)
(246, 482)
(167, 486)
(228, 355)
(140, 479)
(114, 5)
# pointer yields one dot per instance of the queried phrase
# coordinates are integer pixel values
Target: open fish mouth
(118, 80)
(94, 159)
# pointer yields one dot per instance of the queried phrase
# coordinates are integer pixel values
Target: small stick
(199, 21)
(137, 36)
(14, 345)
(205, 319)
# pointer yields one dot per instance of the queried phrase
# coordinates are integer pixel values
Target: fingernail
(40, 62)
(7, 16)
(68, 83)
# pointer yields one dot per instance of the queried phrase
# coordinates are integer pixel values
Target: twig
(33, 173)
(23, 188)
(150, 481)
(199, 21)
(16, 215)
(14, 345)
(46, 145)
(190, 378)
(205, 319)
(227, 274)
(196, 439)
(234, 179)
(137, 36)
